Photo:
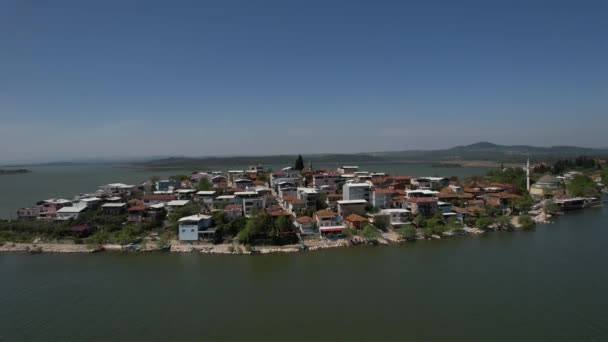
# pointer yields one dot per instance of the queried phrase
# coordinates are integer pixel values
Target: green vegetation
(582, 185)
(370, 233)
(348, 232)
(516, 177)
(382, 223)
(523, 204)
(503, 222)
(484, 222)
(551, 208)
(526, 222)
(261, 228)
(408, 233)
(180, 178)
(299, 165)
(204, 185)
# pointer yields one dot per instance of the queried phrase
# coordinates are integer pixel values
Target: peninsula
(258, 210)
(13, 171)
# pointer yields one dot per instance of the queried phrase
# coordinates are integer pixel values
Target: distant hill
(481, 151)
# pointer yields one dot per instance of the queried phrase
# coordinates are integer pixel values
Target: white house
(72, 212)
(190, 228)
(117, 189)
(396, 217)
(356, 191)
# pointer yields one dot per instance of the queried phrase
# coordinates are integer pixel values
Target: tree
(524, 203)
(551, 208)
(370, 233)
(427, 233)
(484, 222)
(582, 185)
(381, 222)
(348, 232)
(526, 222)
(204, 185)
(408, 233)
(299, 163)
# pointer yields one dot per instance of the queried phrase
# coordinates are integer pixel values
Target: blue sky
(125, 78)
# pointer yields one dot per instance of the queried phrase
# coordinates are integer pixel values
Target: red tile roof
(325, 213)
(422, 200)
(355, 218)
(304, 219)
(233, 207)
(159, 198)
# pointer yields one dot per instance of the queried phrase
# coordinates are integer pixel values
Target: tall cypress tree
(299, 163)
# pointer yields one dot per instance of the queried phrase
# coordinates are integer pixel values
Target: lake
(23, 190)
(549, 284)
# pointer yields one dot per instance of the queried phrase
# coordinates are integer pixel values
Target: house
(205, 198)
(183, 194)
(221, 201)
(243, 183)
(250, 200)
(219, 182)
(113, 208)
(136, 212)
(332, 201)
(430, 182)
(444, 207)
(546, 187)
(233, 175)
(232, 211)
(348, 170)
(167, 185)
(294, 204)
(156, 199)
(356, 191)
(347, 207)
(355, 221)
(401, 182)
(71, 212)
(326, 218)
(91, 202)
(382, 198)
(287, 189)
(118, 189)
(286, 175)
(195, 178)
(425, 206)
(396, 217)
(191, 228)
(51, 206)
(177, 204)
(309, 196)
(421, 193)
(305, 224)
(29, 213)
(327, 179)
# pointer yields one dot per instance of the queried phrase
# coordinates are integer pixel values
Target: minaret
(528, 175)
(310, 165)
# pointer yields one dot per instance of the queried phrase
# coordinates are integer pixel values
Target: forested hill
(483, 151)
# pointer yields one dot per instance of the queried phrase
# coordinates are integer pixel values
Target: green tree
(204, 185)
(299, 163)
(381, 222)
(551, 208)
(526, 222)
(427, 233)
(370, 233)
(524, 203)
(348, 232)
(408, 233)
(484, 222)
(582, 185)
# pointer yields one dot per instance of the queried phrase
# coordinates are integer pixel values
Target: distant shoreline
(14, 171)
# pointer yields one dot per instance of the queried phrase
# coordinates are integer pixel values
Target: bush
(370, 233)
(551, 207)
(427, 233)
(526, 222)
(484, 222)
(408, 233)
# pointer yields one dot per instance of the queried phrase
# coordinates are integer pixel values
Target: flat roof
(225, 197)
(308, 190)
(357, 184)
(178, 203)
(185, 191)
(245, 193)
(114, 205)
(331, 229)
(76, 209)
(396, 210)
(208, 192)
(361, 201)
(197, 218)
(90, 199)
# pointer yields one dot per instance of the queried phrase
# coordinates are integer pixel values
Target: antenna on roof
(528, 175)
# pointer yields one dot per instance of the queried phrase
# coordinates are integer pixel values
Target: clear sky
(124, 78)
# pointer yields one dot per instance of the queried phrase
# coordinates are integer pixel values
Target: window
(183, 230)
(192, 230)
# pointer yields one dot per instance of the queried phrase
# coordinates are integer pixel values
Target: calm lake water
(550, 284)
(22, 190)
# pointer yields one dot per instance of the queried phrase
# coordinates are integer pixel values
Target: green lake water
(549, 284)
(22, 190)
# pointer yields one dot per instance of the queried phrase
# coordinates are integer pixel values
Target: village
(297, 208)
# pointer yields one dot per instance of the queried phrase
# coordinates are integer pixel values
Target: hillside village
(303, 207)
